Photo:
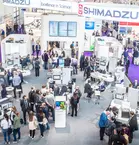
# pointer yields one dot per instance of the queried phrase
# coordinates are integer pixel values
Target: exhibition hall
(69, 72)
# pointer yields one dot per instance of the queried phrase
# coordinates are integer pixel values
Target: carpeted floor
(133, 72)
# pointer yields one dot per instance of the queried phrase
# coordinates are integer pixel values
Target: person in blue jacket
(102, 123)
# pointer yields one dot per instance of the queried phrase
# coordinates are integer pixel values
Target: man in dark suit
(133, 125)
(25, 107)
(88, 89)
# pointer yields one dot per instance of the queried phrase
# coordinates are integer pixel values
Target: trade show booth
(63, 28)
(13, 47)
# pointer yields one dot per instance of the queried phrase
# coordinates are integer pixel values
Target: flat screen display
(122, 30)
(89, 25)
(53, 28)
(63, 29)
(72, 29)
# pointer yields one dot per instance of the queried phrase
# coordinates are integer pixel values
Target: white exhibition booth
(108, 47)
(14, 46)
(63, 28)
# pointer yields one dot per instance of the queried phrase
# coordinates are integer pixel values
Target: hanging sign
(113, 13)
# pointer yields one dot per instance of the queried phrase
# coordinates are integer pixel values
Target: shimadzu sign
(109, 13)
(17, 2)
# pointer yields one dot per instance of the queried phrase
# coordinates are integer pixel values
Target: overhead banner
(63, 6)
(113, 13)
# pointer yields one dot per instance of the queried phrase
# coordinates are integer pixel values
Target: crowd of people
(118, 133)
(37, 110)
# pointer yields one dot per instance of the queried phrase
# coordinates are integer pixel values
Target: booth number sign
(17, 2)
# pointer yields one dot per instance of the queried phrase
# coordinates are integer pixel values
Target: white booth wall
(10, 48)
(29, 18)
(69, 18)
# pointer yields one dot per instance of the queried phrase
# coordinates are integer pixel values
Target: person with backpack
(74, 103)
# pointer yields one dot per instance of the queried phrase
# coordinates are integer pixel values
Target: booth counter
(13, 47)
(100, 76)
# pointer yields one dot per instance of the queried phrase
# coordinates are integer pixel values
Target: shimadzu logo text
(17, 2)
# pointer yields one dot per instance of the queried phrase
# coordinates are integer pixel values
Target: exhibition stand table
(100, 76)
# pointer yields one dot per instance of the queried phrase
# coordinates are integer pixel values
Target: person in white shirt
(74, 63)
(43, 90)
(6, 125)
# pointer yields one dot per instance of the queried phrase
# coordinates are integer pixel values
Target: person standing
(133, 125)
(25, 107)
(74, 63)
(31, 97)
(50, 101)
(9, 77)
(33, 46)
(38, 48)
(40, 117)
(32, 124)
(16, 84)
(127, 65)
(16, 127)
(3, 91)
(74, 103)
(45, 59)
(37, 68)
(22, 80)
(102, 123)
(82, 58)
(37, 100)
(5, 125)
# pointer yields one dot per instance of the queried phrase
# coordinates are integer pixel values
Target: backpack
(109, 128)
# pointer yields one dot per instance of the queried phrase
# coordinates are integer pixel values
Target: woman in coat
(32, 124)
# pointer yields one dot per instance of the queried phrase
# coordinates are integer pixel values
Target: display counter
(100, 76)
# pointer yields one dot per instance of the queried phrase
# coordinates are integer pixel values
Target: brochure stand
(60, 112)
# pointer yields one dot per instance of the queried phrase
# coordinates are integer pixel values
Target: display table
(100, 76)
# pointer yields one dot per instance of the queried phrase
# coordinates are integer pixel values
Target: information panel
(72, 29)
(63, 29)
(53, 28)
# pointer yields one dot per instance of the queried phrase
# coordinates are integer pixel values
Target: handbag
(10, 130)
(35, 123)
(45, 121)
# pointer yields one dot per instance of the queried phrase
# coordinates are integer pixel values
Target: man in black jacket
(31, 97)
(45, 59)
(133, 125)
(74, 102)
(88, 89)
(25, 107)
